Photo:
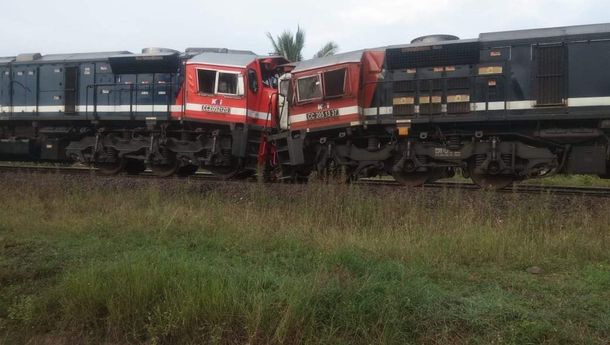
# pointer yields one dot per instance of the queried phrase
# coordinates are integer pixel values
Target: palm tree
(329, 49)
(291, 45)
(288, 45)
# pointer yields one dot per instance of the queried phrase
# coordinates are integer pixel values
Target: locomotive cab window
(222, 83)
(227, 84)
(207, 81)
(309, 88)
(334, 83)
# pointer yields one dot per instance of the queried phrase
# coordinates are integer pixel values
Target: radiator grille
(458, 83)
(551, 66)
(405, 86)
(430, 109)
(404, 109)
(430, 56)
(431, 85)
(458, 108)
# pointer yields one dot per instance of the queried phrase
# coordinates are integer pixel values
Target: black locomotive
(504, 107)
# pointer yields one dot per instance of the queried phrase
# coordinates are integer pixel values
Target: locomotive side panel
(5, 91)
(51, 95)
(589, 73)
(25, 92)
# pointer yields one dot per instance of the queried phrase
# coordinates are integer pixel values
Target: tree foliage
(291, 45)
(329, 49)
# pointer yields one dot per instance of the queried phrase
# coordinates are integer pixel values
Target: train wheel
(492, 182)
(411, 179)
(438, 174)
(110, 169)
(187, 170)
(134, 167)
(165, 170)
(224, 172)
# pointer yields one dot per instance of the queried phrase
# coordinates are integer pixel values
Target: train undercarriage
(492, 158)
(166, 149)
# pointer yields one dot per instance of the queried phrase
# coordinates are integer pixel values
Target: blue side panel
(25, 91)
(125, 90)
(85, 86)
(145, 95)
(589, 64)
(5, 90)
(106, 95)
(163, 89)
(51, 90)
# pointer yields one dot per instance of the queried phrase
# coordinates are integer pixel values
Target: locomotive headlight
(403, 131)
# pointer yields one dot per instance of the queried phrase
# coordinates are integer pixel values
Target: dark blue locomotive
(48, 102)
(503, 107)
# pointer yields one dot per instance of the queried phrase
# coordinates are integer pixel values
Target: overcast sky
(68, 26)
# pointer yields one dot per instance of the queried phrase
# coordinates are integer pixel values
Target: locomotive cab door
(70, 89)
(283, 100)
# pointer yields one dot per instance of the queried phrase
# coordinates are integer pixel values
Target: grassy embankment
(89, 262)
(556, 180)
(573, 180)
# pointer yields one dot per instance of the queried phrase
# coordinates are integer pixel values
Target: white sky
(70, 26)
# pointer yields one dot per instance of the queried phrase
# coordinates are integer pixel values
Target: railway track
(204, 176)
(517, 188)
(91, 171)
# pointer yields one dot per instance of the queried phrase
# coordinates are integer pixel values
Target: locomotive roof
(439, 43)
(578, 30)
(5, 60)
(585, 31)
(350, 57)
(224, 59)
(73, 57)
(201, 50)
(157, 62)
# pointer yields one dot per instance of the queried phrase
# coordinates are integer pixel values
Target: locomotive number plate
(325, 114)
(216, 109)
(444, 153)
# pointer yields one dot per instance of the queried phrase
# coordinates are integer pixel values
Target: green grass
(88, 262)
(573, 180)
(557, 180)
